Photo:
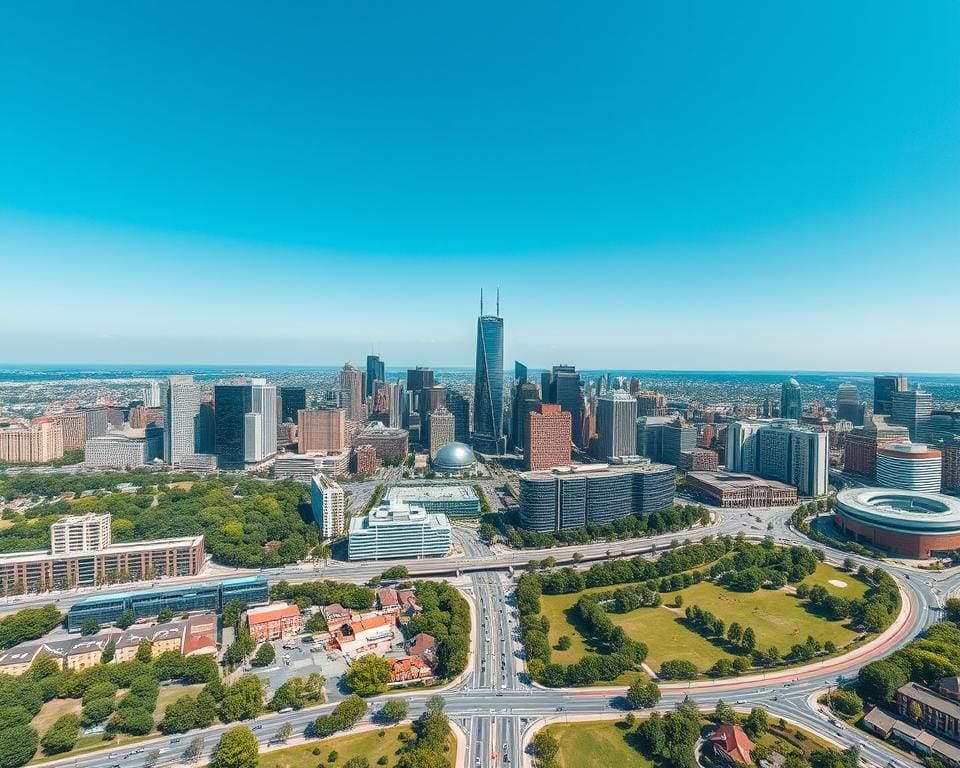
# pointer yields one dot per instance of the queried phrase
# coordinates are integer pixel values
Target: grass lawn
(370, 744)
(597, 744)
(777, 617)
(53, 709)
(170, 693)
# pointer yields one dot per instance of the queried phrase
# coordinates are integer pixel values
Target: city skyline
(761, 208)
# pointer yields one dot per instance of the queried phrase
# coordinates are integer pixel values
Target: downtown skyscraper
(488, 434)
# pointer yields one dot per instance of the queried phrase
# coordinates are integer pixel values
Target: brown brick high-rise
(548, 438)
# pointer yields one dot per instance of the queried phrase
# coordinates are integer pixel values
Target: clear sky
(747, 185)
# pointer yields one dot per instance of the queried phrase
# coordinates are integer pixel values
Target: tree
(109, 651)
(285, 732)
(369, 675)
(180, 716)
(915, 711)
(62, 735)
(951, 607)
(546, 747)
(724, 713)
(393, 711)
(28, 624)
(241, 647)
(127, 618)
(231, 612)
(164, 615)
(395, 572)
(678, 669)
(756, 723)
(642, 694)
(563, 643)
(242, 700)
(846, 702)
(734, 633)
(237, 748)
(357, 762)
(90, 626)
(749, 640)
(265, 655)
(18, 743)
(144, 652)
(879, 680)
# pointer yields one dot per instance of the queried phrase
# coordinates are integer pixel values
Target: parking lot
(300, 659)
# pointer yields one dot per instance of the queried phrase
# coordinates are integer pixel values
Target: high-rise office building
(96, 421)
(74, 425)
(151, 394)
(848, 403)
(375, 372)
(263, 404)
(910, 467)
(564, 387)
(351, 388)
(183, 406)
(913, 409)
(232, 403)
(526, 400)
(860, 445)
(431, 399)
(459, 405)
(547, 437)
(677, 438)
(884, 388)
(616, 425)
(418, 378)
(41, 441)
(442, 429)
(488, 434)
(322, 431)
(292, 401)
(80, 533)
(791, 403)
(204, 427)
(328, 504)
(650, 403)
(396, 395)
(780, 450)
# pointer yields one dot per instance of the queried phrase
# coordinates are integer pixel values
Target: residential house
(731, 745)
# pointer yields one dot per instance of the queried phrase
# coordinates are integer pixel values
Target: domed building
(454, 459)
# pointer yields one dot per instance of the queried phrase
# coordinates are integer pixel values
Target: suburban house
(410, 669)
(388, 600)
(334, 613)
(356, 638)
(731, 745)
(424, 646)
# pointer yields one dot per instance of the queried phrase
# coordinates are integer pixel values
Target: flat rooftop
(734, 480)
(416, 493)
(36, 556)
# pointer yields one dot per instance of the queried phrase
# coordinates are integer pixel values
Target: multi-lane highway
(497, 709)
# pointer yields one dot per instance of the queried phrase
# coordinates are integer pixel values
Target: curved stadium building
(573, 497)
(910, 523)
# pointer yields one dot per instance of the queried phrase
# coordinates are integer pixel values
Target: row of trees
(672, 518)
(28, 624)
(935, 654)
(445, 616)
(324, 592)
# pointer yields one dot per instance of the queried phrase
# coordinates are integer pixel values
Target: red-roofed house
(425, 646)
(200, 634)
(731, 745)
(274, 621)
(410, 669)
(334, 613)
(389, 603)
(359, 637)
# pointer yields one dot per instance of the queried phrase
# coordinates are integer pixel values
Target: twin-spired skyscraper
(488, 434)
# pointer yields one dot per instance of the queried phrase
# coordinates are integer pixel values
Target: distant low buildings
(396, 530)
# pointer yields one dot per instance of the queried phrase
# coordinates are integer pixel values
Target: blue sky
(653, 185)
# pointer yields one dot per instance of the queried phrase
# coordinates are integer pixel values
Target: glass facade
(292, 399)
(488, 386)
(231, 404)
(106, 609)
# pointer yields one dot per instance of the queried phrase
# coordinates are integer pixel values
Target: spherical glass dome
(454, 457)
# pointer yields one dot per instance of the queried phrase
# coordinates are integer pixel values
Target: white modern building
(616, 425)
(452, 500)
(260, 425)
(909, 467)
(127, 448)
(395, 530)
(183, 407)
(329, 506)
(779, 449)
(80, 533)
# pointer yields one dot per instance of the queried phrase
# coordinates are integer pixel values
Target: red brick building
(274, 621)
(951, 465)
(862, 443)
(365, 460)
(549, 432)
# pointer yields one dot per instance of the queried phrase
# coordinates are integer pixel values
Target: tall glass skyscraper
(488, 434)
(375, 372)
(791, 405)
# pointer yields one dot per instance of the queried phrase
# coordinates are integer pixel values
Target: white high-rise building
(779, 449)
(616, 425)
(329, 506)
(742, 446)
(263, 403)
(151, 394)
(80, 533)
(910, 467)
(397, 404)
(183, 407)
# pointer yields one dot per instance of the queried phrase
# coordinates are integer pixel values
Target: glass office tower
(232, 402)
(488, 434)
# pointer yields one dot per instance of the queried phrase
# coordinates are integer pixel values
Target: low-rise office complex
(733, 489)
(395, 530)
(573, 497)
(451, 500)
(188, 598)
(130, 448)
(66, 566)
